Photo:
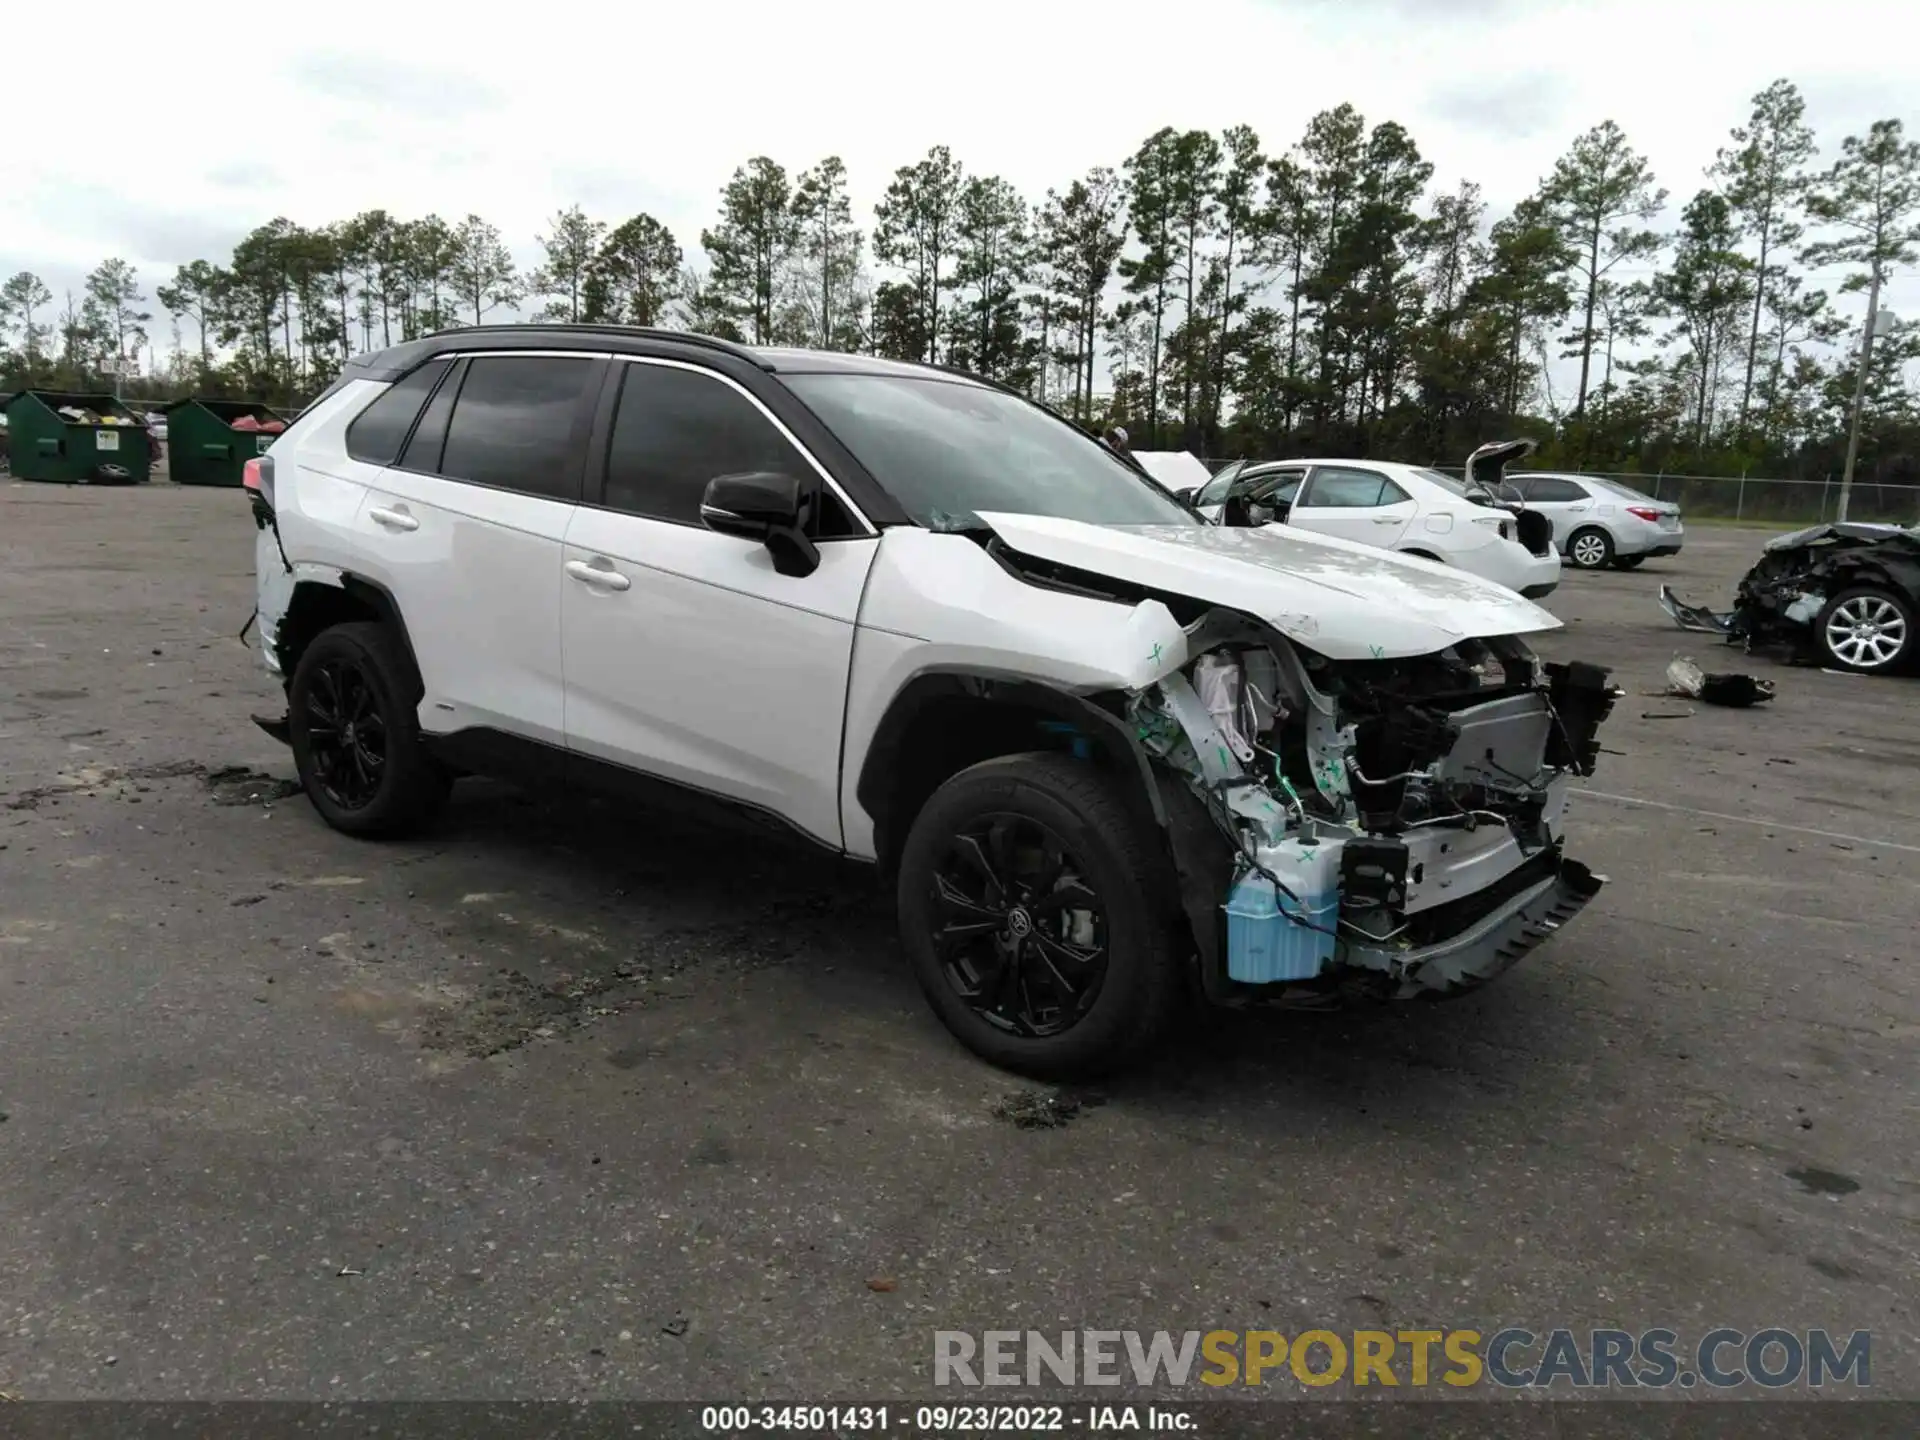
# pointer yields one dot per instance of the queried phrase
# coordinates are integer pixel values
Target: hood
(1866, 532)
(1344, 600)
(1175, 469)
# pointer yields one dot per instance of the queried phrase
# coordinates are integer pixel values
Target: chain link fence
(1762, 501)
(1754, 499)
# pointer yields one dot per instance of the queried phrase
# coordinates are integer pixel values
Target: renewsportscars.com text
(1512, 1358)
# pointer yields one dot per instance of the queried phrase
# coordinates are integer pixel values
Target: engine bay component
(1382, 814)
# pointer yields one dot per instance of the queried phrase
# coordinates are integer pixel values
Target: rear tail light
(1501, 527)
(257, 476)
(1644, 512)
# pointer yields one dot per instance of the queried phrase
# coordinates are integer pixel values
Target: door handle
(392, 519)
(603, 576)
(1386, 519)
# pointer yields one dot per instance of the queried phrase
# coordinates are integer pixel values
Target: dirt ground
(577, 1101)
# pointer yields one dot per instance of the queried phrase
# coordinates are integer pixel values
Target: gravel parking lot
(580, 1101)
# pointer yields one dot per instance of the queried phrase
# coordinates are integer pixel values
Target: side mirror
(1185, 497)
(770, 508)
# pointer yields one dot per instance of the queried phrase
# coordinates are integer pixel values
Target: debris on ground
(883, 1284)
(1036, 1109)
(239, 785)
(1689, 682)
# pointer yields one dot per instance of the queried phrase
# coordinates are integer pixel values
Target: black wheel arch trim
(934, 686)
(377, 598)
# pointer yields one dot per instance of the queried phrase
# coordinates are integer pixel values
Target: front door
(688, 656)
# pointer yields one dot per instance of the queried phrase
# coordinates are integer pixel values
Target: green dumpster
(210, 441)
(75, 439)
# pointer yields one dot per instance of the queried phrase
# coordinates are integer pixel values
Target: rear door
(1354, 503)
(467, 524)
(1565, 502)
(688, 656)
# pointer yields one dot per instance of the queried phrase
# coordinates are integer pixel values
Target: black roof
(396, 360)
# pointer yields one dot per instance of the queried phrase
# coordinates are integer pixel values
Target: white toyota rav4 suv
(1106, 753)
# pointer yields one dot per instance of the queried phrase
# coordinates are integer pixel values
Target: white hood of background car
(1344, 600)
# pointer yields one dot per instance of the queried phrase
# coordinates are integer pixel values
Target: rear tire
(1866, 630)
(1628, 562)
(1032, 904)
(1590, 549)
(356, 734)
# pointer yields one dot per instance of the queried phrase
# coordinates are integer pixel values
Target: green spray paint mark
(1154, 658)
(1379, 651)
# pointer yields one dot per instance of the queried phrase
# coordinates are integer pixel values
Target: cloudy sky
(196, 123)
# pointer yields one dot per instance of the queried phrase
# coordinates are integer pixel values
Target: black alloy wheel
(1020, 935)
(346, 733)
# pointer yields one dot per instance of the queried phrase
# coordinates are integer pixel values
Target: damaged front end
(1782, 599)
(1385, 828)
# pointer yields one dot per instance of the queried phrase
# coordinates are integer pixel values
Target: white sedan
(1407, 508)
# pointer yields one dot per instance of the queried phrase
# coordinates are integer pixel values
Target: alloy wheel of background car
(346, 734)
(1866, 630)
(1020, 935)
(1590, 549)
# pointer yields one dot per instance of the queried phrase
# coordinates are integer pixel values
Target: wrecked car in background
(1103, 751)
(1842, 595)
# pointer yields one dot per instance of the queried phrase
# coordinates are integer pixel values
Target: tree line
(1206, 293)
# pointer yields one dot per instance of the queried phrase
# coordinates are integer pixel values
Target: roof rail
(632, 332)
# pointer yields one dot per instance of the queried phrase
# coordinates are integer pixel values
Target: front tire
(1590, 549)
(1866, 630)
(1033, 906)
(356, 735)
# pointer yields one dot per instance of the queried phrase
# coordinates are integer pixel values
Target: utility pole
(1859, 393)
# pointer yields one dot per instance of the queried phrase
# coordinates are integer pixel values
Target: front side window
(949, 451)
(512, 425)
(1335, 487)
(676, 431)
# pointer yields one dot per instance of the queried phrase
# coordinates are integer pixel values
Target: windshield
(948, 451)
(1626, 492)
(1215, 490)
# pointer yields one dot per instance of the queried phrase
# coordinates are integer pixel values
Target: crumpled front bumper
(1488, 947)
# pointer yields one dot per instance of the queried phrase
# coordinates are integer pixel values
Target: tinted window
(379, 431)
(430, 435)
(512, 425)
(1550, 491)
(675, 431)
(1335, 487)
(949, 451)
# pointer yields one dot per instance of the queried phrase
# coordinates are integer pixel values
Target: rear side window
(1550, 492)
(430, 435)
(676, 430)
(378, 432)
(1336, 487)
(513, 424)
